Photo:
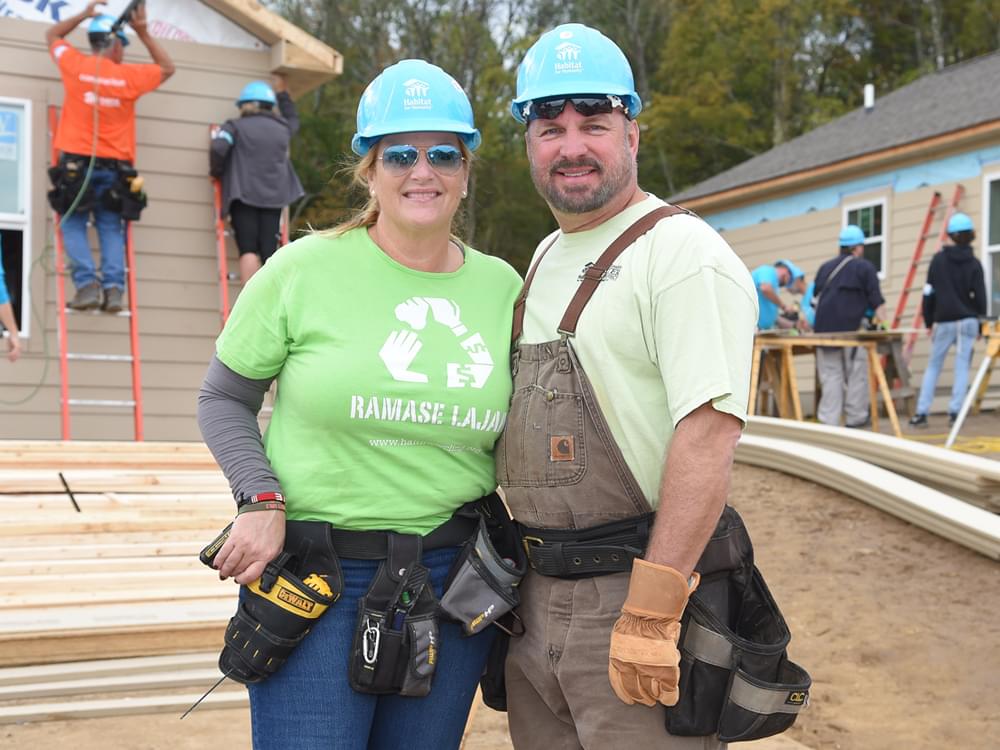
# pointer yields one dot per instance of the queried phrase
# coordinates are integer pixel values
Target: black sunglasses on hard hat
(550, 109)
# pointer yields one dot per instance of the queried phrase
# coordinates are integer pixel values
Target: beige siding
(811, 239)
(176, 262)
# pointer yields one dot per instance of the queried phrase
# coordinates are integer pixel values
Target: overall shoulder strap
(595, 274)
(518, 325)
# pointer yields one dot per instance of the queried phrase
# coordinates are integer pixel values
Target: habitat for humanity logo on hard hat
(416, 94)
(568, 56)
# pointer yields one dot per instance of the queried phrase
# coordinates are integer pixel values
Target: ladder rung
(99, 402)
(98, 311)
(101, 357)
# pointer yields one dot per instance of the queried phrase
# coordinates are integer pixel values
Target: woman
(390, 341)
(250, 155)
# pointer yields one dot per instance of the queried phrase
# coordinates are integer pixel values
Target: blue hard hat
(851, 235)
(574, 59)
(960, 222)
(411, 96)
(793, 269)
(257, 91)
(101, 25)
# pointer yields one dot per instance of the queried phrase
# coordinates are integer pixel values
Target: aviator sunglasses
(550, 109)
(400, 159)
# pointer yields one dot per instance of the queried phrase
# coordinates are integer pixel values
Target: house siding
(175, 245)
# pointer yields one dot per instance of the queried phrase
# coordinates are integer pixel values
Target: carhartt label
(561, 448)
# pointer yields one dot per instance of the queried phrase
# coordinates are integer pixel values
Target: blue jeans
(309, 705)
(110, 233)
(963, 334)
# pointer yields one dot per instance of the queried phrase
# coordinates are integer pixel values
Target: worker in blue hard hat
(390, 340)
(847, 288)
(770, 279)
(634, 338)
(954, 298)
(251, 155)
(97, 148)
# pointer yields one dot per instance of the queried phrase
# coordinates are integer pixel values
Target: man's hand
(13, 346)
(255, 540)
(91, 10)
(278, 83)
(644, 663)
(137, 19)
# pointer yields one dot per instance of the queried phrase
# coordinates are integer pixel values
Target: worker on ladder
(96, 141)
(954, 298)
(250, 155)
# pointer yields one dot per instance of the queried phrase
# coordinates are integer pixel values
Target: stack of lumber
(971, 478)
(962, 522)
(107, 570)
(120, 576)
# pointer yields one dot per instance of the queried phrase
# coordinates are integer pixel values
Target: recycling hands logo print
(402, 346)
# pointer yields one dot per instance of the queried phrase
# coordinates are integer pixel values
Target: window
(15, 192)
(869, 216)
(991, 223)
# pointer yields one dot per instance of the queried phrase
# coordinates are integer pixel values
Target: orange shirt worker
(97, 133)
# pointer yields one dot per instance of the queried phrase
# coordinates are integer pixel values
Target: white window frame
(990, 174)
(22, 222)
(883, 271)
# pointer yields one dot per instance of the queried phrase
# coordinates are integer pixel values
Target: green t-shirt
(670, 328)
(393, 384)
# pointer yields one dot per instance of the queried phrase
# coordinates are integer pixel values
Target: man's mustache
(575, 164)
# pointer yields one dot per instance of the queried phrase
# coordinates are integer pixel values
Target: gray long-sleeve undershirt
(228, 404)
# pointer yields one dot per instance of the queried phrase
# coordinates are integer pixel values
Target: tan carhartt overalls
(560, 468)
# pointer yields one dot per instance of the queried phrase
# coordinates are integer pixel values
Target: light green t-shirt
(670, 328)
(393, 384)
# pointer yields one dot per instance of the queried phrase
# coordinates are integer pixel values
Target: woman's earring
(465, 193)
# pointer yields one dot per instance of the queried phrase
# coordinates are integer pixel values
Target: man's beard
(616, 177)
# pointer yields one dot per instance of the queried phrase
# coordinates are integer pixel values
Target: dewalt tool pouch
(396, 639)
(736, 679)
(126, 197)
(67, 179)
(278, 610)
(482, 584)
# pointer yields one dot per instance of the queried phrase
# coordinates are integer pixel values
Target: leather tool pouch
(482, 584)
(396, 639)
(67, 180)
(278, 610)
(736, 680)
(122, 199)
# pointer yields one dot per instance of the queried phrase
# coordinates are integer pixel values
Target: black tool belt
(374, 545)
(585, 553)
(101, 162)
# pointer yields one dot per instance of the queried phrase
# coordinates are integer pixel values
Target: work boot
(918, 420)
(86, 298)
(112, 300)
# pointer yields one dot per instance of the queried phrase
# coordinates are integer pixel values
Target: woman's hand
(255, 540)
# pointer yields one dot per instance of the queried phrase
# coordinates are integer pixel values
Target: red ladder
(917, 260)
(135, 403)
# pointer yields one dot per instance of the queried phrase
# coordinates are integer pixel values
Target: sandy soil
(900, 630)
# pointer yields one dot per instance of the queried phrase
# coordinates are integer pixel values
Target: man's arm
(64, 27)
(695, 486)
(769, 292)
(138, 22)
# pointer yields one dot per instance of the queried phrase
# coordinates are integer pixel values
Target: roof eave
(304, 60)
(792, 181)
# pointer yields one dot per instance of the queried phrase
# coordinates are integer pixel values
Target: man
(100, 77)
(769, 279)
(665, 343)
(846, 287)
(954, 297)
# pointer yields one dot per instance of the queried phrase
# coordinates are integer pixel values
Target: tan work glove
(644, 665)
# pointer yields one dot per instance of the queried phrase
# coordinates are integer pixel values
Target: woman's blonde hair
(367, 215)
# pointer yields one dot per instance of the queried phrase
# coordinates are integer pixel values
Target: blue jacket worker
(769, 279)
(250, 154)
(954, 297)
(846, 287)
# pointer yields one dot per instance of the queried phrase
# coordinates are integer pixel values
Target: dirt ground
(899, 629)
